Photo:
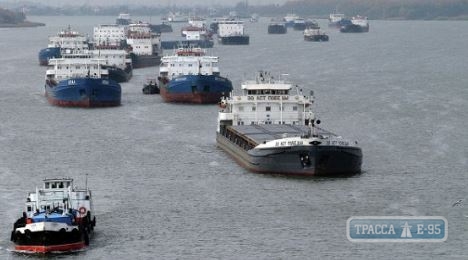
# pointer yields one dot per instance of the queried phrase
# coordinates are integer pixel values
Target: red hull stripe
(51, 248)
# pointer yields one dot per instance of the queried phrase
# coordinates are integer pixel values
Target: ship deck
(256, 134)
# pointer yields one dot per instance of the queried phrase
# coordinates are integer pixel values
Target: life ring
(82, 211)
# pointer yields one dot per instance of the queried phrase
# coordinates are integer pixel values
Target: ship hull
(48, 53)
(277, 29)
(316, 38)
(320, 160)
(235, 40)
(200, 89)
(186, 43)
(119, 75)
(84, 92)
(354, 28)
(143, 61)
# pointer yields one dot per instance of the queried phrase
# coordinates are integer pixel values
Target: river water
(163, 190)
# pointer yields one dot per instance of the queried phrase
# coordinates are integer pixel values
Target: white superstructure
(69, 39)
(142, 40)
(360, 20)
(188, 61)
(58, 193)
(335, 17)
(113, 57)
(109, 34)
(266, 100)
(230, 28)
(75, 66)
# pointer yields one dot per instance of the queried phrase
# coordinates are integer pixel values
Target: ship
(191, 76)
(144, 44)
(150, 87)
(271, 128)
(314, 34)
(57, 218)
(232, 32)
(80, 81)
(117, 62)
(357, 24)
(277, 27)
(289, 19)
(66, 40)
(335, 19)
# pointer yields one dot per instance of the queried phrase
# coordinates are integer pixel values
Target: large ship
(65, 41)
(232, 32)
(277, 27)
(145, 45)
(190, 76)
(289, 19)
(80, 81)
(357, 24)
(57, 218)
(117, 62)
(271, 128)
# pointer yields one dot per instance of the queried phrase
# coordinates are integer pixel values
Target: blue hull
(48, 53)
(84, 92)
(202, 89)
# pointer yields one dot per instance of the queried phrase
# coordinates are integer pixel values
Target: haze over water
(163, 190)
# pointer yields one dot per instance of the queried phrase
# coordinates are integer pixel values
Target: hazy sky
(152, 2)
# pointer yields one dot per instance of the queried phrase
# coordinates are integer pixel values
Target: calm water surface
(163, 190)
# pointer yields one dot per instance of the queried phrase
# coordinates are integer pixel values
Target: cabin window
(254, 108)
(268, 108)
(241, 109)
(61, 185)
(53, 185)
(294, 108)
(29, 208)
(190, 65)
(47, 185)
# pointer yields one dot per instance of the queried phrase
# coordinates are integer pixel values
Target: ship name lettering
(273, 98)
(378, 229)
(71, 82)
(250, 98)
(285, 97)
(261, 97)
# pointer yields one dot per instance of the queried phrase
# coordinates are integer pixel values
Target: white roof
(259, 86)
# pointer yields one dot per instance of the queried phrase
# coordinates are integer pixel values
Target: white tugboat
(57, 218)
(271, 128)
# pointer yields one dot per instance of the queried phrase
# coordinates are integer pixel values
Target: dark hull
(352, 28)
(277, 29)
(329, 161)
(150, 89)
(49, 241)
(235, 40)
(316, 38)
(84, 92)
(143, 61)
(119, 75)
(198, 89)
(48, 53)
(186, 43)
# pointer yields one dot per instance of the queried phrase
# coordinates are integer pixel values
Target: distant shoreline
(21, 25)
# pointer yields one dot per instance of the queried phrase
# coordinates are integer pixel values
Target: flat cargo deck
(260, 133)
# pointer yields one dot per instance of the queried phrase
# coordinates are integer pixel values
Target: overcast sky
(152, 2)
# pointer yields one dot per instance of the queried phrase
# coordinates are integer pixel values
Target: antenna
(86, 181)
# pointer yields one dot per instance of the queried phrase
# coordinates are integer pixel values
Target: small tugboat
(190, 76)
(314, 34)
(57, 218)
(80, 81)
(271, 129)
(150, 87)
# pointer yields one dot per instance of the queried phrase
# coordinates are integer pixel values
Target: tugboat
(314, 34)
(190, 76)
(57, 218)
(151, 87)
(271, 128)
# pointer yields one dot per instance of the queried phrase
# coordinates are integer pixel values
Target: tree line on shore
(374, 9)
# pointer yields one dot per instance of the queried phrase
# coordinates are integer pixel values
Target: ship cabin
(230, 28)
(109, 35)
(266, 101)
(188, 61)
(80, 66)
